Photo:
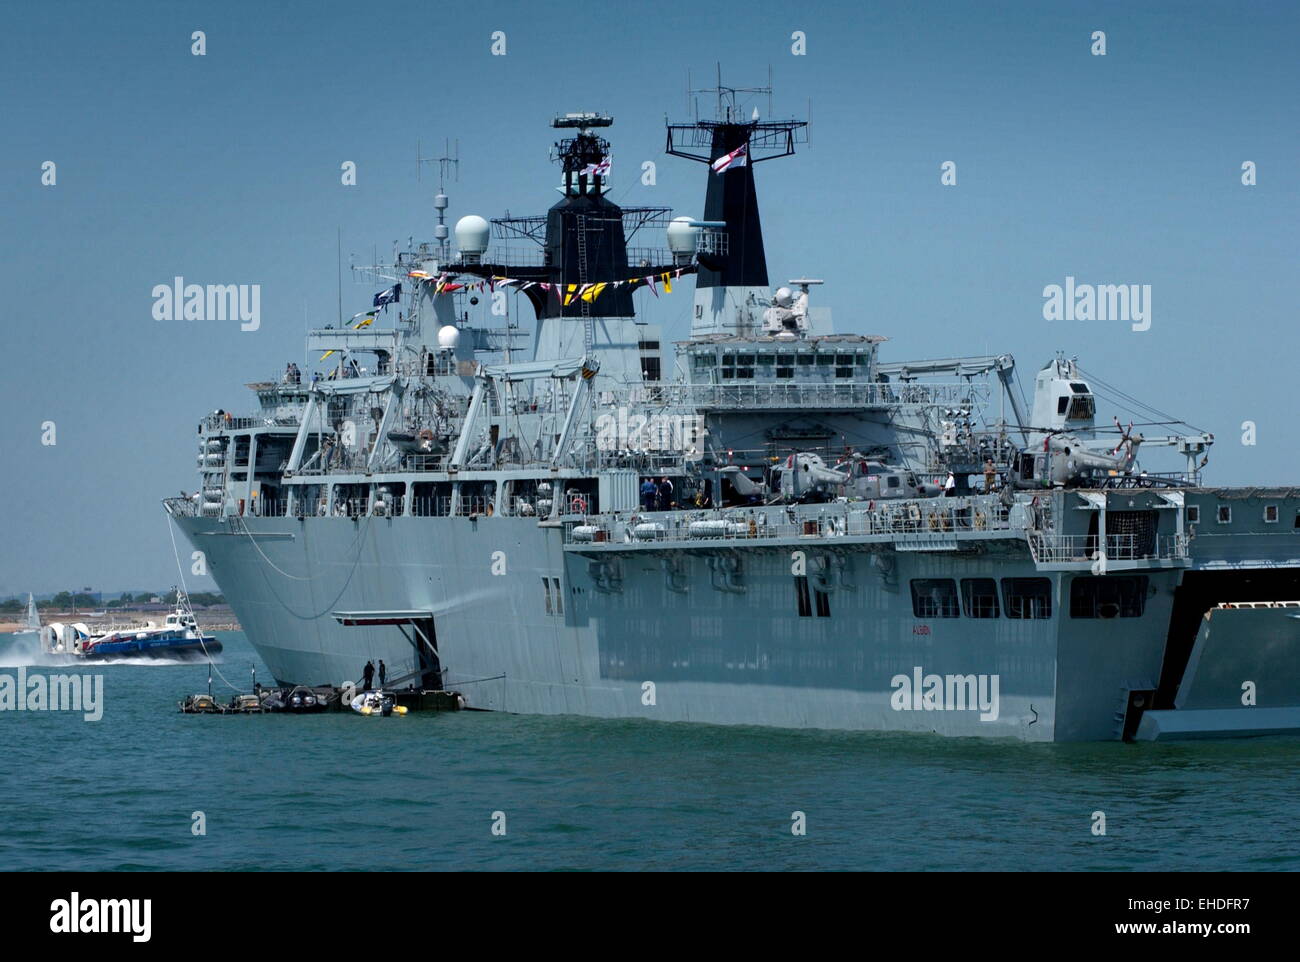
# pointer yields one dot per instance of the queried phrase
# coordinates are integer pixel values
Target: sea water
(146, 787)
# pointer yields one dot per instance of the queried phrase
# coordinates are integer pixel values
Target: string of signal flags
(568, 293)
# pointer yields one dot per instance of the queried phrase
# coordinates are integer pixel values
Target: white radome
(472, 234)
(448, 337)
(784, 297)
(683, 236)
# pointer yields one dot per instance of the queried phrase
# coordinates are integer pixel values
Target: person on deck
(367, 675)
(665, 494)
(383, 674)
(648, 492)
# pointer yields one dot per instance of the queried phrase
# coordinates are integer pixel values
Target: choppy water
(338, 791)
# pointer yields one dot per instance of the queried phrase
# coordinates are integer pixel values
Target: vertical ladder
(584, 305)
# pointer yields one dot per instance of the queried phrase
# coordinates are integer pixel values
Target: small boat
(299, 700)
(32, 622)
(377, 703)
(179, 634)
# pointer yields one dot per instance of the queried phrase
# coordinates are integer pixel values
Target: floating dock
(303, 700)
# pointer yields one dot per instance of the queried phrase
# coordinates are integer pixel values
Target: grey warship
(769, 523)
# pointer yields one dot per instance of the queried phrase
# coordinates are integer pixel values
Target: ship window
(1027, 597)
(1078, 388)
(704, 361)
(785, 372)
(1081, 409)
(649, 345)
(806, 359)
(892, 481)
(935, 598)
(1270, 514)
(825, 360)
(767, 360)
(745, 372)
(650, 369)
(1061, 404)
(1225, 514)
(745, 360)
(729, 359)
(728, 373)
(1193, 513)
(1112, 596)
(864, 358)
(979, 597)
(546, 586)
(802, 599)
(823, 604)
(844, 372)
(843, 358)
(559, 598)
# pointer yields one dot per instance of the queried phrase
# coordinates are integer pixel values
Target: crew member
(648, 492)
(367, 675)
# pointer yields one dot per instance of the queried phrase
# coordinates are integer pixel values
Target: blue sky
(225, 169)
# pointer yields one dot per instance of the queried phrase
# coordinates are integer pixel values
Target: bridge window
(1193, 514)
(1061, 404)
(1111, 596)
(785, 372)
(935, 598)
(844, 372)
(1027, 597)
(1081, 409)
(806, 360)
(1225, 514)
(1270, 514)
(979, 597)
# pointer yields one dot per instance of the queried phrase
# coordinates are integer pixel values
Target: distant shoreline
(222, 619)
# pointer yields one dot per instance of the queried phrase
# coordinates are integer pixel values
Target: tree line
(66, 600)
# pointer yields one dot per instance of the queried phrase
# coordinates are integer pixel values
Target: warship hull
(525, 623)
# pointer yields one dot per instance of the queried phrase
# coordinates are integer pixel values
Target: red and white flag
(601, 169)
(737, 158)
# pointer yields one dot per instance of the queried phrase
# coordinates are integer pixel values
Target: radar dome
(448, 337)
(784, 297)
(683, 236)
(472, 235)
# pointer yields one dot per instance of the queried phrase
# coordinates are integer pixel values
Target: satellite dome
(472, 236)
(683, 236)
(448, 337)
(784, 297)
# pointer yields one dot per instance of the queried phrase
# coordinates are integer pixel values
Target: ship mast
(732, 142)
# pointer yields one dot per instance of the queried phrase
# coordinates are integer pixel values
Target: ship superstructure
(765, 523)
